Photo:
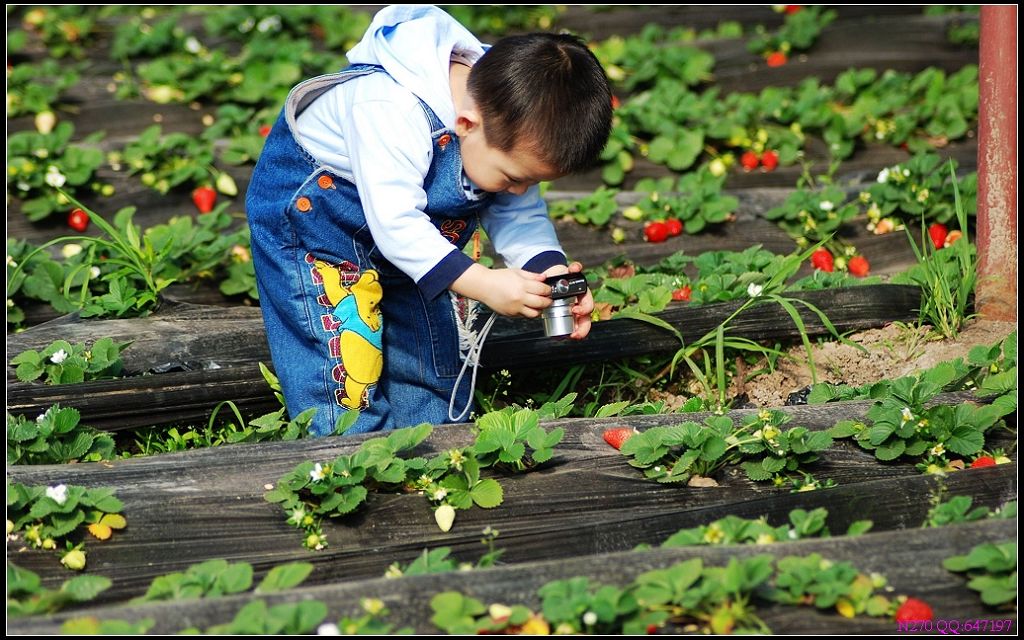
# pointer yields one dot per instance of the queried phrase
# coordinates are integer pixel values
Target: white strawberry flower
(439, 494)
(192, 45)
(58, 494)
(590, 618)
(270, 23)
(883, 175)
(937, 450)
(59, 357)
(826, 205)
(317, 474)
(94, 272)
(10, 261)
(907, 415)
(54, 177)
(328, 629)
(754, 290)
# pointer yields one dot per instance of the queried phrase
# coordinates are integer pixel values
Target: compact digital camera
(558, 320)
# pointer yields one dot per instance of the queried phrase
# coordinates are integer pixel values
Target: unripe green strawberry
(74, 560)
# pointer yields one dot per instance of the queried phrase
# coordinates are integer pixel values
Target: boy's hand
(509, 292)
(584, 304)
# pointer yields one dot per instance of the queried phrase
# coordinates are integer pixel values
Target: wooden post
(996, 295)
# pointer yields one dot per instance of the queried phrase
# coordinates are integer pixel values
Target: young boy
(373, 180)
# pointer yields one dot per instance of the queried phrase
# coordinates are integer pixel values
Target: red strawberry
(952, 237)
(938, 232)
(652, 629)
(204, 198)
(682, 294)
(858, 266)
(616, 103)
(656, 232)
(983, 461)
(776, 59)
(78, 220)
(749, 160)
(793, 8)
(265, 130)
(822, 260)
(619, 435)
(675, 227)
(769, 160)
(914, 610)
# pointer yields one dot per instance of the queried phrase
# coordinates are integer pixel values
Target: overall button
(325, 182)
(443, 141)
(303, 204)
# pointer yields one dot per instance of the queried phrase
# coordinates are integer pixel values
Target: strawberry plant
(216, 578)
(337, 26)
(48, 515)
(798, 32)
(261, 74)
(900, 424)
(165, 162)
(55, 437)
(504, 435)
(687, 595)
(958, 509)
(450, 480)
(124, 271)
(256, 618)
(236, 124)
(651, 55)
(688, 450)
(64, 363)
(63, 30)
(596, 208)
(736, 530)
(498, 20)
(370, 623)
(26, 595)
(992, 568)
(921, 188)
(825, 584)
(618, 153)
(39, 164)
(438, 560)
(921, 111)
(813, 215)
(34, 275)
(36, 88)
(148, 34)
(699, 201)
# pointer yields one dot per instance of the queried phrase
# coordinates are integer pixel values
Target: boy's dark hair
(547, 90)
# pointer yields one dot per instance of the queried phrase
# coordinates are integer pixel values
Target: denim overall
(347, 329)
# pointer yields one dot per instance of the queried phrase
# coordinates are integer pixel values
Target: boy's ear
(467, 120)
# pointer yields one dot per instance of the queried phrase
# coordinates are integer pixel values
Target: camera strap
(476, 345)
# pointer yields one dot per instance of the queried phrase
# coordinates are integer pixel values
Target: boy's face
(494, 170)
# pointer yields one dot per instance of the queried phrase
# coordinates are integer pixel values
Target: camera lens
(560, 288)
(558, 320)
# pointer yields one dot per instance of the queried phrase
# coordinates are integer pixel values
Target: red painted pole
(996, 294)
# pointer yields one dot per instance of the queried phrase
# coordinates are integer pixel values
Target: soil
(890, 352)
